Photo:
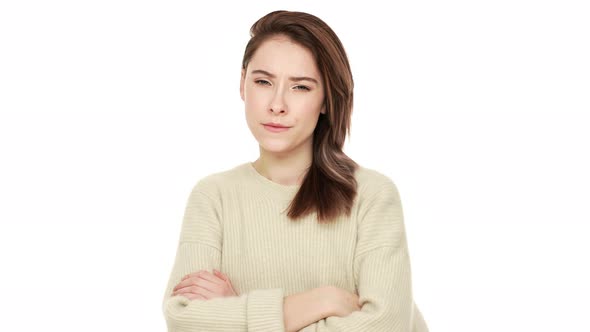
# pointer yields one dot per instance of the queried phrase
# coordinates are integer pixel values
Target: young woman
(303, 238)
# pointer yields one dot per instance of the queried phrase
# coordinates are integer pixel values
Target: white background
(110, 111)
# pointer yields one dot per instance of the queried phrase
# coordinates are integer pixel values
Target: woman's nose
(277, 104)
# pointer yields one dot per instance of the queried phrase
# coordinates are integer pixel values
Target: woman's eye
(298, 87)
(302, 87)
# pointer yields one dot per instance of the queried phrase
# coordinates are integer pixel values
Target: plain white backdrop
(111, 111)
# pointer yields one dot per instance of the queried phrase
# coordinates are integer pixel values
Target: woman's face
(282, 85)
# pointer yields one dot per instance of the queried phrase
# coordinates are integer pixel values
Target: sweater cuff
(265, 310)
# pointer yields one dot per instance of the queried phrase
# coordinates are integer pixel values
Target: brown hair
(329, 186)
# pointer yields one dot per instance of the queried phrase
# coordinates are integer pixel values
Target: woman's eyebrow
(294, 79)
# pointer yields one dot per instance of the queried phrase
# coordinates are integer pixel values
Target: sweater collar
(274, 189)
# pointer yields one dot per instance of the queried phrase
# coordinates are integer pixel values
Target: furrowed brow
(294, 79)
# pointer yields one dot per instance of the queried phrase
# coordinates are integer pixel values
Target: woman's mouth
(275, 129)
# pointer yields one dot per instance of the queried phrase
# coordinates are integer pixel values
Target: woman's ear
(242, 79)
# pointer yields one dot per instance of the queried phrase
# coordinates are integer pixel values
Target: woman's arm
(199, 248)
(382, 272)
(306, 308)
(299, 310)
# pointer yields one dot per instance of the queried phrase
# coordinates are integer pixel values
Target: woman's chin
(275, 148)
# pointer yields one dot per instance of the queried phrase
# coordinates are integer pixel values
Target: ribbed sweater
(235, 221)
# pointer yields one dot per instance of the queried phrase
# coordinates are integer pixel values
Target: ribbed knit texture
(235, 221)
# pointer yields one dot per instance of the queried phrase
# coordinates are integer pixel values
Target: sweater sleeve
(199, 248)
(381, 270)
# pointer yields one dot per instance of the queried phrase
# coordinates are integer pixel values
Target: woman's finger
(196, 281)
(226, 279)
(195, 290)
(182, 284)
(186, 280)
(221, 275)
(192, 274)
(192, 296)
(208, 285)
(205, 292)
(206, 275)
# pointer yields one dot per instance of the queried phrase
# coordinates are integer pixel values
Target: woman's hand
(341, 302)
(204, 285)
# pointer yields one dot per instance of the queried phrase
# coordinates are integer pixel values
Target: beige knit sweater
(234, 222)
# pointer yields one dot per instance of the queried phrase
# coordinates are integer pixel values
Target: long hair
(329, 186)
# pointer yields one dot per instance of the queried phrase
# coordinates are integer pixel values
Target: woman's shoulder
(371, 181)
(213, 183)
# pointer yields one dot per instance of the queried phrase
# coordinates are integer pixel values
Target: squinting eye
(302, 87)
(262, 82)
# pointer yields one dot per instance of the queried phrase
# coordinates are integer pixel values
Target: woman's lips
(275, 129)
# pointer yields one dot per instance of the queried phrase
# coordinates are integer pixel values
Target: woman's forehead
(281, 56)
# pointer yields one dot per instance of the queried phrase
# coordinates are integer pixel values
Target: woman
(307, 239)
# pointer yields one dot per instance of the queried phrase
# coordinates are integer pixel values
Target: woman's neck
(285, 171)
